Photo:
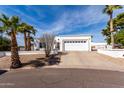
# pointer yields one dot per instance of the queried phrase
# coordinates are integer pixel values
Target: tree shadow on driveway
(63, 53)
(2, 71)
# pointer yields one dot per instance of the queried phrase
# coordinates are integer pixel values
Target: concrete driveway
(91, 60)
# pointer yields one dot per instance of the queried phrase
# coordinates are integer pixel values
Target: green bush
(119, 37)
(5, 44)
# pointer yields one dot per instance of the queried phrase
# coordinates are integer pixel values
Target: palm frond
(5, 17)
(114, 7)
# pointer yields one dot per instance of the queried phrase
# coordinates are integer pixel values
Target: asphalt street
(61, 78)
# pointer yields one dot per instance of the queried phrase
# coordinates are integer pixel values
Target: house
(95, 46)
(69, 43)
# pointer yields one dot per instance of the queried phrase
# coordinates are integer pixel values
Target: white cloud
(78, 18)
(83, 18)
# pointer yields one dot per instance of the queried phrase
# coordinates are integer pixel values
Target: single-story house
(69, 43)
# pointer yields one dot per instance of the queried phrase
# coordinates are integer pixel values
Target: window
(41, 45)
(58, 46)
(84, 41)
(81, 41)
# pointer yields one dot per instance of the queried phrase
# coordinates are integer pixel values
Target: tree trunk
(25, 40)
(16, 63)
(112, 40)
(1, 41)
(29, 42)
(47, 53)
(111, 30)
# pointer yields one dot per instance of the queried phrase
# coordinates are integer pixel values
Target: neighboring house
(37, 44)
(96, 46)
(69, 43)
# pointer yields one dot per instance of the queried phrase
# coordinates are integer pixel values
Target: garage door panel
(76, 46)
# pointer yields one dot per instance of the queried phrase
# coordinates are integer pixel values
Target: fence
(2, 54)
(8, 53)
(116, 53)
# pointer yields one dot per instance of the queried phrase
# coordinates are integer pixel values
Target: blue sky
(62, 20)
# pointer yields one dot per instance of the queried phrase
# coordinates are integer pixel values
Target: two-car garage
(74, 43)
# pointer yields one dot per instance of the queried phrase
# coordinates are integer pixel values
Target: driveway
(91, 60)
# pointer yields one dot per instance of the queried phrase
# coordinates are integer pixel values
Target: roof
(79, 35)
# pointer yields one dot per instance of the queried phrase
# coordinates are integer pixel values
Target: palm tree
(105, 32)
(109, 10)
(24, 29)
(1, 36)
(31, 30)
(1, 32)
(27, 30)
(10, 25)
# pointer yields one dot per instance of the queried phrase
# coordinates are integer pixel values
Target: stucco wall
(116, 53)
(60, 39)
(2, 54)
(5, 53)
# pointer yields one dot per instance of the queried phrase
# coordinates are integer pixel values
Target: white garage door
(79, 45)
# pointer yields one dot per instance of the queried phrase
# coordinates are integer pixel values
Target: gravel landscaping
(30, 61)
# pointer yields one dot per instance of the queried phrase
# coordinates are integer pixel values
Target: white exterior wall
(2, 54)
(99, 45)
(76, 46)
(8, 53)
(61, 40)
(116, 53)
(36, 44)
